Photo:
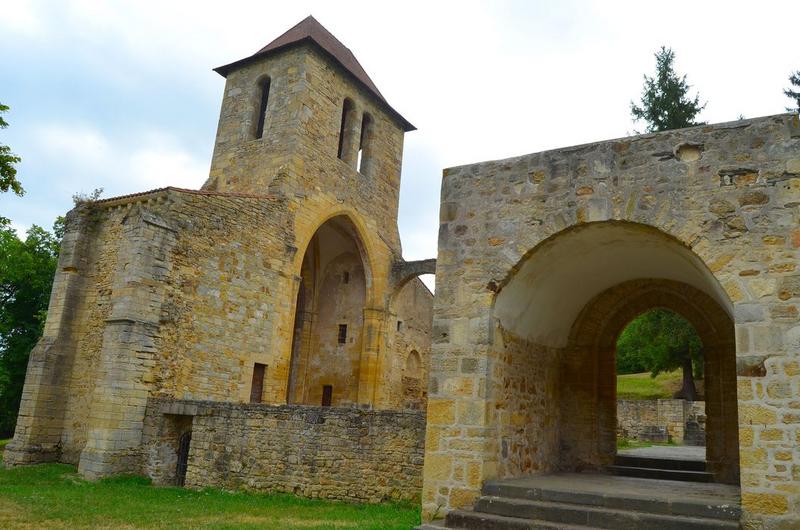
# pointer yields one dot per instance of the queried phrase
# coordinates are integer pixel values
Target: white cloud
(481, 80)
(159, 166)
(141, 161)
(22, 17)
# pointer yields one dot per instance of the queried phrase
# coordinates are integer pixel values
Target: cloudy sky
(120, 95)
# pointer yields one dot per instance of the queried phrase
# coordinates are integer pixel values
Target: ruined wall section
(89, 322)
(53, 416)
(730, 192)
(171, 293)
(318, 452)
(228, 299)
(408, 330)
(661, 420)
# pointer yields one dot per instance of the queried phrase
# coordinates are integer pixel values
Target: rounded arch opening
(660, 341)
(588, 379)
(558, 315)
(544, 293)
(414, 393)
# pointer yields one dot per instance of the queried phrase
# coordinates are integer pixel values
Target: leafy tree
(8, 173)
(794, 79)
(665, 102)
(26, 277)
(661, 341)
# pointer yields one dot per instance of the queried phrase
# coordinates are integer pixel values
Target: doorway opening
(560, 314)
(184, 444)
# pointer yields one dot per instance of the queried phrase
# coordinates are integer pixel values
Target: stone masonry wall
(413, 308)
(298, 152)
(636, 417)
(526, 376)
(318, 452)
(727, 193)
(297, 158)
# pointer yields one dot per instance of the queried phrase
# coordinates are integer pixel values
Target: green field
(54, 496)
(642, 386)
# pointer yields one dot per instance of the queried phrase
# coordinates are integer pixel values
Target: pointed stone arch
(328, 337)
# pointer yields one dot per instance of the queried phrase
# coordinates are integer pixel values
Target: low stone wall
(318, 452)
(677, 420)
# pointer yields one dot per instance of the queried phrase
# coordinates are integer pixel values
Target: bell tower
(302, 113)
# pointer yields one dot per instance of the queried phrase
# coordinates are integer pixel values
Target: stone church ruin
(193, 335)
(265, 333)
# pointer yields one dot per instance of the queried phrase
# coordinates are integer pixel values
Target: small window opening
(366, 135)
(347, 107)
(342, 333)
(257, 387)
(346, 277)
(399, 325)
(327, 395)
(262, 107)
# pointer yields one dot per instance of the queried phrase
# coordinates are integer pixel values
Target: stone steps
(661, 474)
(643, 502)
(514, 514)
(660, 463)
(661, 468)
(583, 516)
(474, 520)
(581, 502)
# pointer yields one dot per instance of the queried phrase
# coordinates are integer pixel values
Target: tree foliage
(794, 93)
(665, 102)
(26, 277)
(661, 341)
(8, 173)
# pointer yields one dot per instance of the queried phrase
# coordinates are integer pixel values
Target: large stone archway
(588, 374)
(559, 312)
(530, 287)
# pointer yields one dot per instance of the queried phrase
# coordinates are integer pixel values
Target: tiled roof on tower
(309, 30)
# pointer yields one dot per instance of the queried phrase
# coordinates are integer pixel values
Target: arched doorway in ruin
(559, 314)
(327, 340)
(413, 383)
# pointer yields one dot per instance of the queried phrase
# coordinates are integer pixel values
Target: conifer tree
(794, 79)
(665, 102)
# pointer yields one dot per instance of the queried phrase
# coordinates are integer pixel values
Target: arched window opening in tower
(347, 108)
(262, 106)
(364, 144)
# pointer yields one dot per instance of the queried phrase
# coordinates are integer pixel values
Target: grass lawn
(54, 496)
(642, 386)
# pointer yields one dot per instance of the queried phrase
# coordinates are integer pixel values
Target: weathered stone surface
(636, 417)
(317, 452)
(524, 250)
(191, 294)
